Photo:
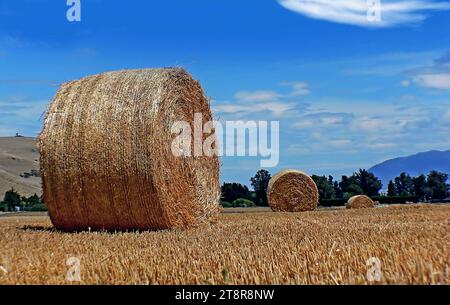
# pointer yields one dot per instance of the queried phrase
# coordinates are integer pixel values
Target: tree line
(13, 201)
(402, 189)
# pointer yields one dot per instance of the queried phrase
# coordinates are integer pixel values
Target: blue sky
(348, 93)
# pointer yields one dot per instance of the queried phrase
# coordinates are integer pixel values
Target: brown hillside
(17, 157)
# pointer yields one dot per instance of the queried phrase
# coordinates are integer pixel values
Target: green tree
(368, 182)
(421, 189)
(11, 200)
(404, 185)
(345, 183)
(260, 182)
(33, 200)
(325, 187)
(437, 182)
(233, 191)
(242, 203)
(392, 190)
(337, 190)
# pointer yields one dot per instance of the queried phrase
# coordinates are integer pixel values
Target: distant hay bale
(359, 201)
(292, 191)
(106, 158)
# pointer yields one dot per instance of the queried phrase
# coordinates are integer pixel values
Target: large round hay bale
(292, 191)
(359, 201)
(106, 157)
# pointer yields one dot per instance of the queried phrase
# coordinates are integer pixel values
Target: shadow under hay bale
(106, 158)
(359, 202)
(292, 191)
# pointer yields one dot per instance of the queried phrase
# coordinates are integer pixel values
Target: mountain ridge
(416, 164)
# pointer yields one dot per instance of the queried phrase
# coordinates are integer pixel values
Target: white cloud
(355, 12)
(297, 89)
(256, 96)
(276, 103)
(405, 83)
(382, 145)
(340, 142)
(323, 120)
(434, 81)
(275, 108)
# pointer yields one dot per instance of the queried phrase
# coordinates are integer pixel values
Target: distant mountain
(421, 163)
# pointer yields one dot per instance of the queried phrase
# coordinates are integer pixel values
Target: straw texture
(359, 201)
(292, 191)
(106, 158)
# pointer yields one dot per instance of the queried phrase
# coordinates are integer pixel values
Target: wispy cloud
(323, 120)
(276, 103)
(275, 108)
(367, 126)
(434, 81)
(298, 89)
(435, 76)
(355, 12)
(21, 114)
(256, 96)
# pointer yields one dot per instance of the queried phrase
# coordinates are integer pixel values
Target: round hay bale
(292, 191)
(359, 201)
(106, 157)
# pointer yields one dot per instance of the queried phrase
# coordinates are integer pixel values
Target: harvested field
(260, 247)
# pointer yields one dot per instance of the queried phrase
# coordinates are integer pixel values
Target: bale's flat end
(292, 191)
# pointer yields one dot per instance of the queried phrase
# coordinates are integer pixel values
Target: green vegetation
(12, 201)
(425, 188)
(260, 183)
(402, 189)
(233, 191)
(243, 203)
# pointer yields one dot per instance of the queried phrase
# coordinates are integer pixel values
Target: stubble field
(410, 243)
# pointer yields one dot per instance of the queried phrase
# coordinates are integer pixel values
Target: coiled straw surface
(359, 201)
(292, 191)
(106, 158)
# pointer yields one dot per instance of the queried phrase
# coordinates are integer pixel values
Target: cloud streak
(434, 81)
(356, 12)
(436, 76)
(275, 103)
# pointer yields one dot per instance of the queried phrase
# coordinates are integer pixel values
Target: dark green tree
(337, 190)
(325, 187)
(421, 189)
(233, 191)
(392, 190)
(33, 200)
(404, 185)
(437, 182)
(361, 182)
(11, 199)
(368, 182)
(260, 182)
(349, 187)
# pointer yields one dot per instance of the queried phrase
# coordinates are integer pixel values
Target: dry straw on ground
(359, 201)
(106, 156)
(292, 191)
(320, 247)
